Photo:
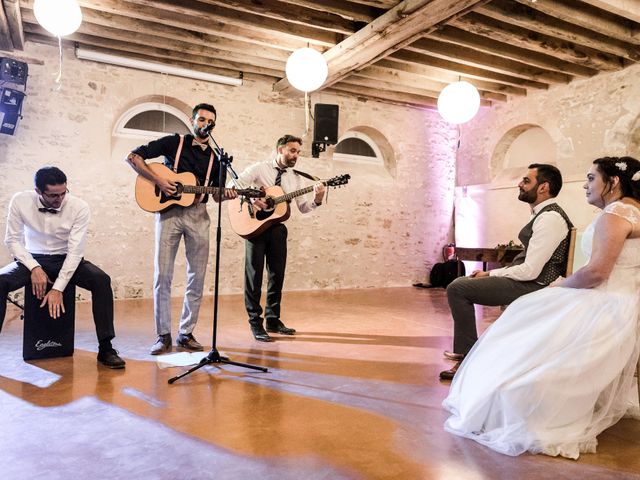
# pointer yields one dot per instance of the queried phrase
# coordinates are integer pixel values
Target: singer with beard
(188, 153)
(544, 258)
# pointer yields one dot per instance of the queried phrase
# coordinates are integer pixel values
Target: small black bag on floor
(442, 274)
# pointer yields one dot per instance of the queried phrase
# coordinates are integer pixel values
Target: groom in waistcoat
(544, 258)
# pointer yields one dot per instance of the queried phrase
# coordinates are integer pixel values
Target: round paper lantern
(306, 69)
(60, 17)
(458, 102)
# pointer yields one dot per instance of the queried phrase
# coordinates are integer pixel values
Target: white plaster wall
(586, 119)
(377, 231)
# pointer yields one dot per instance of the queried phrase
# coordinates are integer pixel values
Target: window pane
(157, 121)
(355, 146)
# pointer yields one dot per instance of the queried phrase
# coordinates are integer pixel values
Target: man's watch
(316, 203)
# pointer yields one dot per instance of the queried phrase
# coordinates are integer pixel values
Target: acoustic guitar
(249, 222)
(150, 198)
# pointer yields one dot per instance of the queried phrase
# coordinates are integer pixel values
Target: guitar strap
(306, 175)
(200, 197)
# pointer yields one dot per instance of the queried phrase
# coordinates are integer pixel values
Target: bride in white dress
(557, 367)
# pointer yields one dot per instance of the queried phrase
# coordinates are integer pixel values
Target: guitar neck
(199, 189)
(296, 193)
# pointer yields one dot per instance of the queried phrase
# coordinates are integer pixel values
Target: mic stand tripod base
(214, 357)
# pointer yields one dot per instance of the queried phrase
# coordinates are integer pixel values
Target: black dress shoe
(449, 374)
(109, 358)
(260, 334)
(452, 355)
(276, 326)
(188, 342)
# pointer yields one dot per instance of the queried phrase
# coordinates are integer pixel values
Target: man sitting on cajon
(46, 234)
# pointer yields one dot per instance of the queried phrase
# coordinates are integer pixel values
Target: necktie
(50, 210)
(279, 176)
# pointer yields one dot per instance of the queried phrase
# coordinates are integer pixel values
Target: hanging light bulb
(306, 69)
(458, 102)
(60, 17)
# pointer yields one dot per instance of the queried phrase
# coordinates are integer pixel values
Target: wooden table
(486, 255)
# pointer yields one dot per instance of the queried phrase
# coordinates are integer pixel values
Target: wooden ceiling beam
(5, 34)
(404, 88)
(121, 28)
(625, 8)
(457, 36)
(528, 39)
(348, 10)
(227, 24)
(478, 59)
(289, 14)
(588, 17)
(528, 18)
(118, 39)
(414, 65)
(14, 21)
(404, 21)
(432, 78)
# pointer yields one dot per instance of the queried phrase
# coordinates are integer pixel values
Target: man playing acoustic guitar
(188, 153)
(272, 242)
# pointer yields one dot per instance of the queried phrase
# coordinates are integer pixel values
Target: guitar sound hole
(262, 214)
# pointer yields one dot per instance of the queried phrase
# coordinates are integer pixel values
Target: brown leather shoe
(452, 355)
(449, 374)
(162, 345)
(188, 342)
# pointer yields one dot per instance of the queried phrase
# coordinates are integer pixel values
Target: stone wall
(380, 230)
(586, 119)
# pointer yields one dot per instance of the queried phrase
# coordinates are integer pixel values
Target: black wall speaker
(325, 127)
(13, 71)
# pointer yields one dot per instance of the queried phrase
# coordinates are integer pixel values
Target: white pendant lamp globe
(60, 17)
(306, 69)
(458, 102)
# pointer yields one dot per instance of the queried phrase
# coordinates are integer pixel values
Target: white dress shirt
(30, 231)
(549, 229)
(264, 174)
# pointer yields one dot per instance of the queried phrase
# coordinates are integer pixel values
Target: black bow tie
(50, 210)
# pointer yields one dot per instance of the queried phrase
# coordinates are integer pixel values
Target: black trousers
(87, 276)
(272, 246)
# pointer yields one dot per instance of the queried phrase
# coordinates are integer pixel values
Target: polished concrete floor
(354, 395)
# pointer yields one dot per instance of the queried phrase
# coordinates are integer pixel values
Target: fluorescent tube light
(84, 54)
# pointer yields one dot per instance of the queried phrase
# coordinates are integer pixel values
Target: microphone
(207, 128)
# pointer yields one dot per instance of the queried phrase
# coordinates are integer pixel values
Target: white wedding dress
(557, 367)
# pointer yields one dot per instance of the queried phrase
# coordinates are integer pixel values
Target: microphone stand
(214, 357)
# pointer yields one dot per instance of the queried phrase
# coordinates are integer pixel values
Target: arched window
(150, 119)
(358, 147)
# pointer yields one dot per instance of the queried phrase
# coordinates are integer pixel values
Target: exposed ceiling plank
(228, 16)
(5, 34)
(588, 17)
(476, 58)
(485, 44)
(349, 10)
(14, 20)
(185, 50)
(531, 40)
(525, 17)
(122, 28)
(289, 14)
(625, 8)
(229, 26)
(417, 62)
(404, 88)
(158, 55)
(405, 20)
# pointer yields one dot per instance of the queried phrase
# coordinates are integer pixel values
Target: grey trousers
(192, 223)
(464, 292)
